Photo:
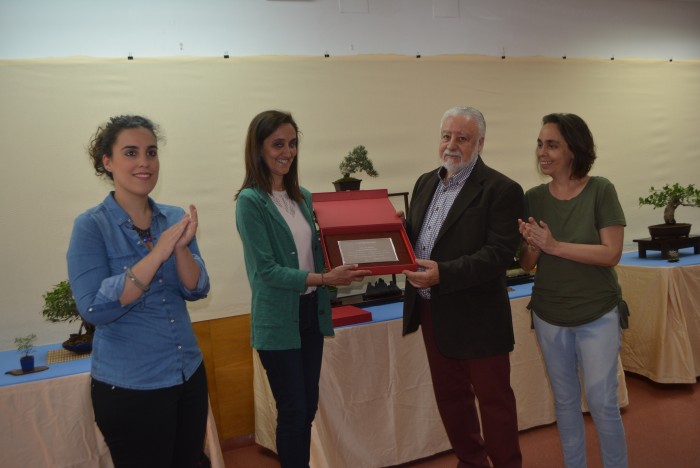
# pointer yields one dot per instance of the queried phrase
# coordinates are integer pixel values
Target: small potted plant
(25, 345)
(59, 306)
(670, 197)
(355, 161)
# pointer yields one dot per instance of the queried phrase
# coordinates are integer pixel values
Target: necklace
(144, 234)
(283, 202)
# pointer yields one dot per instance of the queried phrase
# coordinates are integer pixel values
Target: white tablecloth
(377, 406)
(49, 422)
(663, 340)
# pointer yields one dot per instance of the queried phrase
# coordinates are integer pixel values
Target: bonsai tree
(671, 197)
(25, 344)
(356, 161)
(59, 306)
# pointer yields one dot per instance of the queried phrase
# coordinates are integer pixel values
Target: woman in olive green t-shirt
(573, 232)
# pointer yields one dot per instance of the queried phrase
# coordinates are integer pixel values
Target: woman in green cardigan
(290, 308)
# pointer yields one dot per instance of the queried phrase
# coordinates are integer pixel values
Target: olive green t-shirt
(568, 293)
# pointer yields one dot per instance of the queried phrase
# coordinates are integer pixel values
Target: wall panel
(643, 115)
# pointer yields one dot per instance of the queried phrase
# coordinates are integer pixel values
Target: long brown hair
(257, 174)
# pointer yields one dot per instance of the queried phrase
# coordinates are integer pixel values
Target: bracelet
(323, 283)
(135, 280)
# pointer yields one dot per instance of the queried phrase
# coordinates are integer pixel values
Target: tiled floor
(662, 423)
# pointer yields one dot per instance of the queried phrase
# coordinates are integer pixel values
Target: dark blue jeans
(293, 375)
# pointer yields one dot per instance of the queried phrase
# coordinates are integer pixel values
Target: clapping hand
(537, 234)
(178, 235)
(190, 230)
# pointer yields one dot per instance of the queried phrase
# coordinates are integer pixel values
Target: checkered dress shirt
(443, 198)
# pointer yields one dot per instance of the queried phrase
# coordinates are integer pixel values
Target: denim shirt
(149, 343)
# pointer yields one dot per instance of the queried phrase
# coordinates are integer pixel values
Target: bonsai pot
(665, 231)
(343, 185)
(27, 363)
(79, 344)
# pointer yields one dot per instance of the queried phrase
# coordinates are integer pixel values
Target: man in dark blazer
(462, 222)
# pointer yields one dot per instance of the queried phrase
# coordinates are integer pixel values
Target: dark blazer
(475, 246)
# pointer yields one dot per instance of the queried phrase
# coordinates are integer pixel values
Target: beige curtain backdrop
(643, 114)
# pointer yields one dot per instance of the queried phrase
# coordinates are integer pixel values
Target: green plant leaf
(670, 197)
(357, 161)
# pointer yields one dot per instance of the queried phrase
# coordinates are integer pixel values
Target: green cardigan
(272, 264)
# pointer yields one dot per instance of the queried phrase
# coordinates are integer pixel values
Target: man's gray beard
(455, 167)
(452, 167)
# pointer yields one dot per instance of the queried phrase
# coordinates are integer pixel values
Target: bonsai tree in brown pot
(670, 197)
(355, 161)
(59, 306)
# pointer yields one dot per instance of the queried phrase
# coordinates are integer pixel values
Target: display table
(663, 340)
(377, 406)
(664, 244)
(47, 417)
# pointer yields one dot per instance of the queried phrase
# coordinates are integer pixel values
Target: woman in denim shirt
(132, 264)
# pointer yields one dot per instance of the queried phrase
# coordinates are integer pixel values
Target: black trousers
(294, 375)
(153, 428)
